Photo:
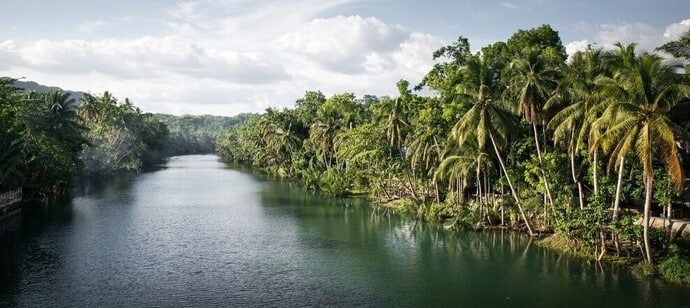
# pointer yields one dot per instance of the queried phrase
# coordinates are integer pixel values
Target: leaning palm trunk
(411, 184)
(616, 203)
(541, 165)
(669, 224)
(572, 169)
(580, 195)
(645, 221)
(478, 197)
(596, 177)
(510, 184)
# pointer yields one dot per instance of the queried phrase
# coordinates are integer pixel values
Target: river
(197, 233)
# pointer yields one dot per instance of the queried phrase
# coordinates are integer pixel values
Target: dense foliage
(190, 134)
(47, 139)
(516, 134)
(120, 136)
(41, 140)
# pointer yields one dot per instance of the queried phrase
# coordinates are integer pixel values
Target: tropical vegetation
(585, 148)
(48, 139)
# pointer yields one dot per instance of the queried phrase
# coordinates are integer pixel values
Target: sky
(226, 57)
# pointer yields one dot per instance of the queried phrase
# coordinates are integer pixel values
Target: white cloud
(415, 53)
(572, 47)
(676, 30)
(508, 5)
(178, 74)
(245, 23)
(343, 43)
(9, 55)
(647, 37)
(149, 57)
(376, 64)
(230, 56)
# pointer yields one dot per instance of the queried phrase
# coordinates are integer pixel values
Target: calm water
(199, 234)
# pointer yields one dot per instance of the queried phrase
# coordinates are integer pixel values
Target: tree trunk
(541, 164)
(479, 189)
(645, 221)
(502, 205)
(616, 203)
(461, 193)
(457, 187)
(669, 230)
(602, 238)
(510, 184)
(411, 183)
(486, 197)
(596, 177)
(577, 182)
(438, 197)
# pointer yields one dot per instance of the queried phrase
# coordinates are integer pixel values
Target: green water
(197, 233)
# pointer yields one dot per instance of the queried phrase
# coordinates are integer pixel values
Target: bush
(677, 266)
(333, 183)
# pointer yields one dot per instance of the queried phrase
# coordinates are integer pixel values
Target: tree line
(195, 134)
(47, 140)
(516, 134)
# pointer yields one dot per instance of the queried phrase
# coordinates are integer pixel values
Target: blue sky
(230, 56)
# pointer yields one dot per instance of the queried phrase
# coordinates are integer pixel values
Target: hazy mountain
(30, 86)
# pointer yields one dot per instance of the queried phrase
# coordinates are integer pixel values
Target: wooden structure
(10, 202)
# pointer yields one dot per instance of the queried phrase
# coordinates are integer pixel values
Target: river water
(197, 233)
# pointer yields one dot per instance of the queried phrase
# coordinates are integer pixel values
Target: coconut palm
(322, 134)
(396, 123)
(533, 80)
(579, 92)
(61, 120)
(638, 122)
(486, 121)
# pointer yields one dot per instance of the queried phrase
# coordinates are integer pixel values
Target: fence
(11, 195)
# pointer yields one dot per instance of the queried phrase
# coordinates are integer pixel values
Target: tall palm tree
(61, 120)
(638, 122)
(458, 166)
(533, 80)
(573, 122)
(396, 123)
(486, 121)
(322, 134)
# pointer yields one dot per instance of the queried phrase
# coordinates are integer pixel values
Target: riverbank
(143, 240)
(672, 263)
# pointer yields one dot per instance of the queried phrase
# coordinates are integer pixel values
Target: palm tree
(532, 82)
(61, 120)
(89, 109)
(638, 122)
(573, 122)
(322, 134)
(456, 167)
(486, 121)
(396, 123)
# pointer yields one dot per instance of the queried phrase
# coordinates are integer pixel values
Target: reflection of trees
(422, 260)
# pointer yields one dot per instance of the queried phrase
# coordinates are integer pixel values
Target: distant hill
(196, 134)
(30, 86)
(189, 134)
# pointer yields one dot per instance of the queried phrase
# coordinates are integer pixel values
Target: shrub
(677, 266)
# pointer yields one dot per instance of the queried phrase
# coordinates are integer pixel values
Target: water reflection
(198, 233)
